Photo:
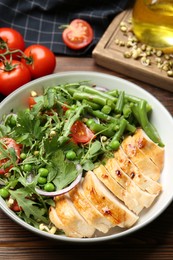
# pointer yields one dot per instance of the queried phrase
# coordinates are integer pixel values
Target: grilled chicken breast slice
(58, 224)
(124, 195)
(143, 198)
(151, 149)
(88, 211)
(107, 203)
(142, 161)
(70, 217)
(144, 182)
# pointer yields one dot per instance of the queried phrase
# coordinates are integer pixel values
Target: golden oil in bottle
(153, 23)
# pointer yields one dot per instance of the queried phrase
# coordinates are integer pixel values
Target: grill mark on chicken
(101, 197)
(152, 150)
(88, 210)
(117, 189)
(142, 161)
(144, 198)
(145, 183)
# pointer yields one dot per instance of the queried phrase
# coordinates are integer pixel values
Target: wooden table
(155, 241)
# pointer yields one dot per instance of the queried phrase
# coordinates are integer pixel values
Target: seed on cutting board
(128, 54)
(170, 73)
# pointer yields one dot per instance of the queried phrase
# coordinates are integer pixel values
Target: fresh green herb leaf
(29, 206)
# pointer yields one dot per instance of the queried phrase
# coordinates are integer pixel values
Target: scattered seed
(159, 53)
(145, 61)
(128, 54)
(170, 73)
(117, 41)
(33, 93)
(145, 53)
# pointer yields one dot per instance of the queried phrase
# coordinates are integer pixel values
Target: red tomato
(64, 107)
(40, 60)
(9, 143)
(13, 74)
(13, 39)
(78, 34)
(31, 102)
(81, 133)
(15, 206)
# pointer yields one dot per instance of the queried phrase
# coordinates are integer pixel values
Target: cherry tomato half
(13, 74)
(81, 133)
(31, 102)
(78, 34)
(13, 39)
(15, 206)
(40, 60)
(9, 143)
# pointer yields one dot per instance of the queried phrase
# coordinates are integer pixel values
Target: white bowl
(160, 118)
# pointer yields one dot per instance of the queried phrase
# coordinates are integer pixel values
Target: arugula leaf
(28, 206)
(28, 127)
(9, 154)
(93, 150)
(88, 165)
(61, 172)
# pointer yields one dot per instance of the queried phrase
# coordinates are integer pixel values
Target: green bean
(106, 109)
(93, 98)
(135, 112)
(71, 90)
(149, 129)
(91, 104)
(127, 110)
(129, 98)
(114, 92)
(134, 99)
(102, 129)
(119, 133)
(73, 85)
(120, 103)
(94, 91)
(115, 142)
(131, 128)
(103, 116)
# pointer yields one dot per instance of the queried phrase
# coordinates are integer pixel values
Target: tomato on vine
(13, 74)
(39, 60)
(78, 34)
(11, 40)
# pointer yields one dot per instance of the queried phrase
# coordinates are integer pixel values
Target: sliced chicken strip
(130, 201)
(57, 222)
(142, 161)
(144, 198)
(88, 211)
(107, 203)
(145, 183)
(71, 218)
(151, 149)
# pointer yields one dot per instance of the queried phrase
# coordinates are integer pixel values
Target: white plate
(160, 118)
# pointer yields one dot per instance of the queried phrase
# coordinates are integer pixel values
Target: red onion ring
(102, 89)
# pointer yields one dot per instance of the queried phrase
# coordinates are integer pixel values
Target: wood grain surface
(155, 241)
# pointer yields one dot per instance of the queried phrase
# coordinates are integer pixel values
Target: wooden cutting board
(110, 55)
